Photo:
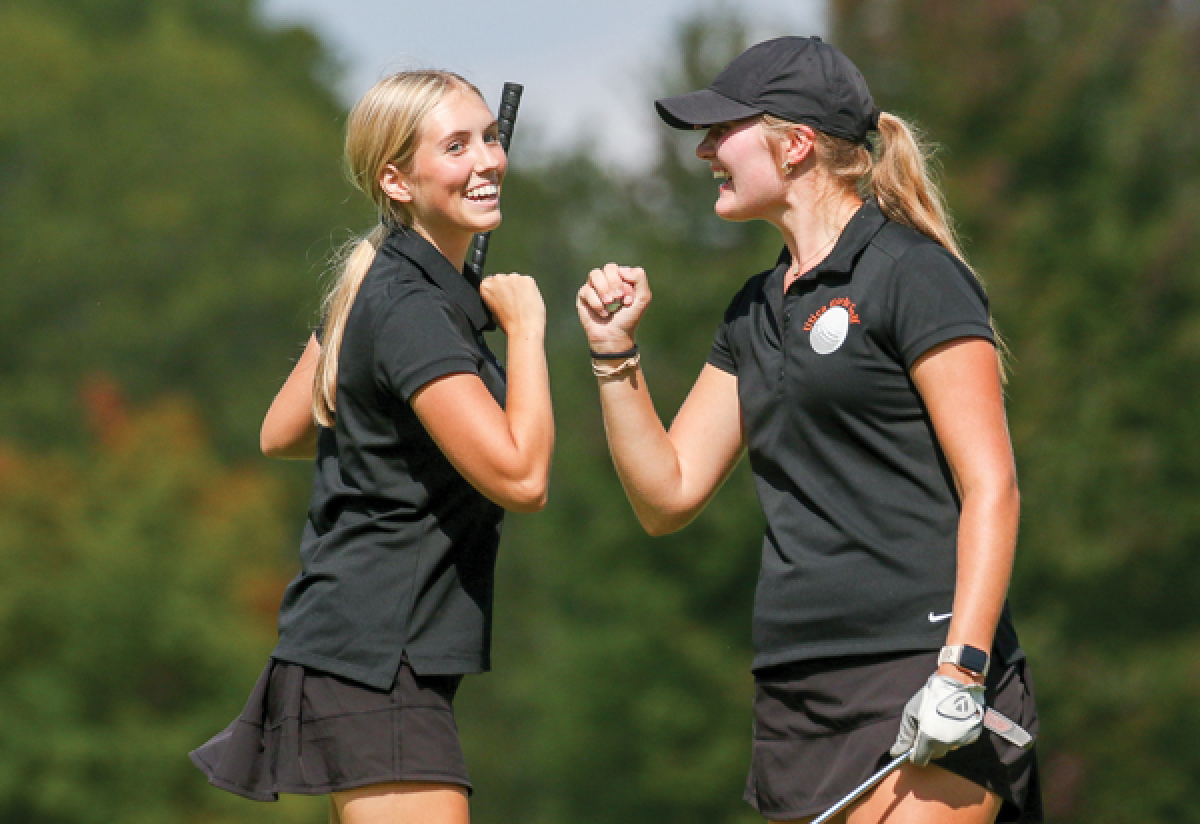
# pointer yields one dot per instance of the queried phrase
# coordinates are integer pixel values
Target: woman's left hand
(944, 715)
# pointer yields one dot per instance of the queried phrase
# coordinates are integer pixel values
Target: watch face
(973, 659)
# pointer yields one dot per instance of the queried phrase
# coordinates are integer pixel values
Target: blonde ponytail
(383, 128)
(335, 309)
(902, 182)
(898, 174)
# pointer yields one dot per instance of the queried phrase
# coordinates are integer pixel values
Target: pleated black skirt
(311, 733)
(822, 727)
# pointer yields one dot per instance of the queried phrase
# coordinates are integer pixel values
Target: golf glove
(945, 714)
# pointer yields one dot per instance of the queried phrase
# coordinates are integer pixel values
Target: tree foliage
(169, 185)
(169, 179)
(139, 582)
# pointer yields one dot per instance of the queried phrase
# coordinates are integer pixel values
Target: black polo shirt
(862, 514)
(399, 550)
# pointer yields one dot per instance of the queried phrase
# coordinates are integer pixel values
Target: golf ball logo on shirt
(828, 326)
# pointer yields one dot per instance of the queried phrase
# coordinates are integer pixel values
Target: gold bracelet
(609, 371)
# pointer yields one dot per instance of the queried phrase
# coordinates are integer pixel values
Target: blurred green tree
(169, 183)
(138, 589)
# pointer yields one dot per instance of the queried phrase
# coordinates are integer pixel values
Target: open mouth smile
(483, 192)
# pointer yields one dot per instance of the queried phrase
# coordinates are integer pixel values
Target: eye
(455, 146)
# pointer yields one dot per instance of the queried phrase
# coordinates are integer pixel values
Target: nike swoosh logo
(937, 619)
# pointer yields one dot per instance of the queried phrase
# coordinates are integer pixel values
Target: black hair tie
(628, 353)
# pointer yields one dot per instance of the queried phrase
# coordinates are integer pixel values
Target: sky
(585, 65)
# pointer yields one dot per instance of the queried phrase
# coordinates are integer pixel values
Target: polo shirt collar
(859, 231)
(462, 287)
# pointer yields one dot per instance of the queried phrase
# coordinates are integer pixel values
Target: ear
(798, 145)
(394, 184)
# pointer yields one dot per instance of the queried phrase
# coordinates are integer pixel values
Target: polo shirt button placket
(787, 316)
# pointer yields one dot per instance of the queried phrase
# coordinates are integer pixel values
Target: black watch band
(965, 657)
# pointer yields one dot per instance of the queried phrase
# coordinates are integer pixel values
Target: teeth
(720, 174)
(480, 192)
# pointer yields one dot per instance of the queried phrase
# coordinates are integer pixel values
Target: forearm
(645, 458)
(530, 416)
(303, 447)
(987, 538)
(288, 430)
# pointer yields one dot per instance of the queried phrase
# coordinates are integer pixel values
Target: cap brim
(702, 108)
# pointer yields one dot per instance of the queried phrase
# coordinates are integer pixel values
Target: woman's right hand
(516, 302)
(611, 327)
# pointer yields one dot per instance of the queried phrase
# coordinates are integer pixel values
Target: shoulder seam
(894, 244)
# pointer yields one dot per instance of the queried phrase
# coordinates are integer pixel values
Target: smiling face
(452, 186)
(741, 157)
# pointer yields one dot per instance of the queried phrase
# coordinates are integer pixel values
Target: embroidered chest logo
(829, 325)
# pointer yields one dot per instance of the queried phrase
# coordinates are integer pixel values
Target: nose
(490, 158)
(706, 150)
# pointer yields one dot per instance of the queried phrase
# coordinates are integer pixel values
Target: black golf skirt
(311, 733)
(823, 727)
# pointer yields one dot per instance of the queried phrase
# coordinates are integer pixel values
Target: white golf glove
(944, 715)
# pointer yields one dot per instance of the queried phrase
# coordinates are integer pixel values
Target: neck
(811, 222)
(451, 242)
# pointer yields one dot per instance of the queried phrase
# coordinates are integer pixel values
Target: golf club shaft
(862, 788)
(506, 118)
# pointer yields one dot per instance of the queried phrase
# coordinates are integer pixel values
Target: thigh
(402, 802)
(926, 795)
(920, 795)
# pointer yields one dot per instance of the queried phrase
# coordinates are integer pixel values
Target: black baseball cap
(798, 79)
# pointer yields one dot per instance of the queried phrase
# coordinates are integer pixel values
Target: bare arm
(504, 453)
(959, 382)
(669, 476)
(288, 430)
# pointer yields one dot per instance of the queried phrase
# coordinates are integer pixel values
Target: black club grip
(506, 118)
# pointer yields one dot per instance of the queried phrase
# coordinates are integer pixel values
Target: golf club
(506, 118)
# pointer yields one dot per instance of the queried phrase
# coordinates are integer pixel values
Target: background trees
(169, 186)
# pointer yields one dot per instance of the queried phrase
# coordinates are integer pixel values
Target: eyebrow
(466, 133)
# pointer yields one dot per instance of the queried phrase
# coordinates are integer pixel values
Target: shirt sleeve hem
(722, 365)
(432, 371)
(931, 339)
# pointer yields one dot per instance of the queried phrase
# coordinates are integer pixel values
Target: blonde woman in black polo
(422, 443)
(860, 374)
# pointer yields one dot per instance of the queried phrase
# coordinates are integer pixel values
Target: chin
(489, 224)
(730, 213)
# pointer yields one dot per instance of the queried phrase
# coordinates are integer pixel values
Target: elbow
(657, 528)
(269, 447)
(527, 497)
(998, 494)
(658, 523)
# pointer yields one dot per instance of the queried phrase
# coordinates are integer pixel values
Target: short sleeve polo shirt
(399, 550)
(859, 555)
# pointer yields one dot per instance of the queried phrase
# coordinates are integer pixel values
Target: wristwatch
(965, 657)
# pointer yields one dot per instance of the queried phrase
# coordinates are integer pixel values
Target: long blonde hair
(384, 127)
(898, 173)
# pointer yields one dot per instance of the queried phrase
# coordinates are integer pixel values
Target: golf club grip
(506, 119)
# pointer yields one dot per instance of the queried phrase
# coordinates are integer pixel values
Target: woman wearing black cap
(860, 373)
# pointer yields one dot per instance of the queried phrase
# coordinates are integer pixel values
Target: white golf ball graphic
(829, 332)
